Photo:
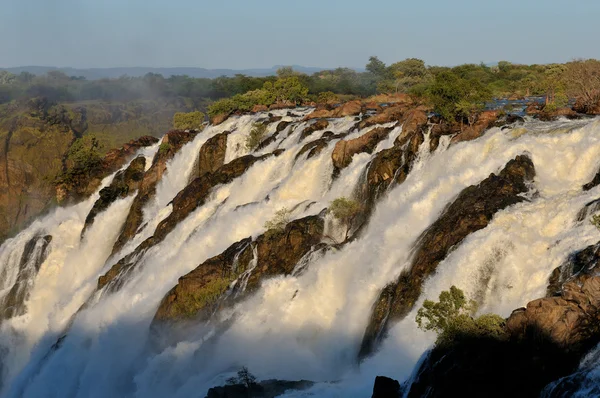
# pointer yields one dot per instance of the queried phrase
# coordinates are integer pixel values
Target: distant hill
(101, 73)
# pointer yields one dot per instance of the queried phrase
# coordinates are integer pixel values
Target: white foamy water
(308, 325)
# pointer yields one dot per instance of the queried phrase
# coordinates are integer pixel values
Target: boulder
(390, 114)
(259, 108)
(350, 108)
(385, 387)
(344, 150)
(471, 211)
(212, 154)
(218, 119)
(485, 120)
(320, 124)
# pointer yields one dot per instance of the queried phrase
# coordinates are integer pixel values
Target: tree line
(454, 92)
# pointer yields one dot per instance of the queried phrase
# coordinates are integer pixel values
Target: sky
(242, 34)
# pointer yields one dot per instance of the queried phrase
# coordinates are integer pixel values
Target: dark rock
(264, 389)
(385, 387)
(472, 210)
(594, 183)
(124, 183)
(320, 124)
(315, 147)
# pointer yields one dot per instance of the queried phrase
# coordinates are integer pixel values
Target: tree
(256, 136)
(188, 121)
(376, 67)
(451, 318)
(346, 211)
(278, 223)
(455, 98)
(408, 73)
(243, 377)
(582, 79)
(289, 89)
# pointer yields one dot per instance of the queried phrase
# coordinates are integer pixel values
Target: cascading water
(306, 325)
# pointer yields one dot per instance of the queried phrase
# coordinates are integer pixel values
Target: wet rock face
(172, 142)
(125, 183)
(200, 292)
(583, 262)
(344, 150)
(187, 200)
(195, 194)
(197, 292)
(212, 154)
(472, 210)
(34, 254)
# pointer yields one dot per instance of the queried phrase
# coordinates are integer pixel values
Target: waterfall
(306, 325)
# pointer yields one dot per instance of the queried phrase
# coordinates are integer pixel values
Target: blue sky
(262, 33)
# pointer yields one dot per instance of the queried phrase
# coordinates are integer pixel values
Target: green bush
(328, 97)
(346, 210)
(451, 318)
(188, 121)
(278, 223)
(256, 136)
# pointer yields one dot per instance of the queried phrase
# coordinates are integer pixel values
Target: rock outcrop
(485, 120)
(318, 125)
(212, 154)
(124, 183)
(542, 343)
(344, 150)
(187, 200)
(200, 292)
(471, 211)
(263, 389)
(351, 108)
(171, 143)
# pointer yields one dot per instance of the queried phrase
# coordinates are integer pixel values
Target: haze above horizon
(239, 34)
